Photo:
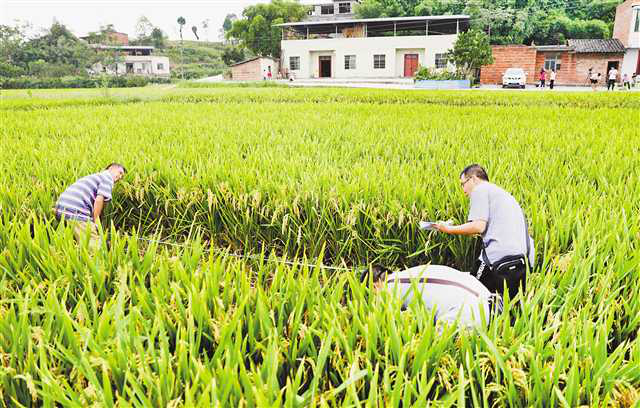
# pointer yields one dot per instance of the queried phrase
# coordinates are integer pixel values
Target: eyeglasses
(462, 183)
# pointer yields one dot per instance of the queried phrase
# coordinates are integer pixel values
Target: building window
(636, 26)
(344, 8)
(160, 67)
(552, 62)
(379, 61)
(324, 10)
(441, 61)
(349, 62)
(294, 63)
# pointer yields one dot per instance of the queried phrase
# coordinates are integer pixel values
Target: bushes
(78, 82)
(197, 70)
(425, 74)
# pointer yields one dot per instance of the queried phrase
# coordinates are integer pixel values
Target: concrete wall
(268, 65)
(142, 65)
(631, 63)
(146, 65)
(623, 26)
(364, 49)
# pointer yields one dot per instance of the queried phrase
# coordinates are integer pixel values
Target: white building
(333, 9)
(133, 60)
(627, 30)
(337, 45)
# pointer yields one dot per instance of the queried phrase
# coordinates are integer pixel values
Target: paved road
(482, 88)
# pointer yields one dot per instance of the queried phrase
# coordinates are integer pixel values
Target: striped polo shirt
(77, 201)
(450, 293)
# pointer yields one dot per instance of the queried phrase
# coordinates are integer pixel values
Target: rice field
(330, 177)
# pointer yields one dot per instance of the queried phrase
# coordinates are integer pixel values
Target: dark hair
(475, 170)
(116, 165)
(378, 273)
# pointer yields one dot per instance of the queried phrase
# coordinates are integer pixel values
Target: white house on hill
(332, 43)
(133, 60)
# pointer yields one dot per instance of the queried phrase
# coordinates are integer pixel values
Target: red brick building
(254, 69)
(112, 38)
(115, 37)
(571, 61)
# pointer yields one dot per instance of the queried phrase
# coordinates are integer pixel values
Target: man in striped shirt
(454, 296)
(82, 203)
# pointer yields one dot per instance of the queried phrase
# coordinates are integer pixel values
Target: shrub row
(78, 82)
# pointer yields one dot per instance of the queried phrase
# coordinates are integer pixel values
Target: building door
(410, 64)
(325, 67)
(612, 64)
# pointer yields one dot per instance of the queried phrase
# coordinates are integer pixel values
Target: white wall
(393, 48)
(634, 38)
(630, 61)
(145, 65)
(265, 64)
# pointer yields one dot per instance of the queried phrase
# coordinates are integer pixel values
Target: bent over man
(453, 296)
(82, 202)
(507, 247)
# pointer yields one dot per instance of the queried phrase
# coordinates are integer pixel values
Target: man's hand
(442, 227)
(470, 228)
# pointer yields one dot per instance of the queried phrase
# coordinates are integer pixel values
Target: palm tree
(181, 22)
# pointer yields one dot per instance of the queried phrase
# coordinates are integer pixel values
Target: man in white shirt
(453, 296)
(552, 79)
(613, 76)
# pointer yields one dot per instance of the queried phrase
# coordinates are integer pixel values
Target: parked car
(514, 77)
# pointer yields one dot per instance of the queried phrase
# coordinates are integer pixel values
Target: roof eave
(376, 20)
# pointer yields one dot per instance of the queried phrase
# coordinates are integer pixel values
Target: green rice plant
(328, 177)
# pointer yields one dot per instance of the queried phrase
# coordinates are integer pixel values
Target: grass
(334, 177)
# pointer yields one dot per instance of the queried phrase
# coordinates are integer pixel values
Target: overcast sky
(83, 16)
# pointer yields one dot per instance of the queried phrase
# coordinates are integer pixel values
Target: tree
(511, 21)
(383, 8)
(61, 50)
(227, 25)
(158, 38)
(206, 23)
(102, 36)
(471, 51)
(228, 22)
(143, 28)
(181, 23)
(148, 34)
(195, 32)
(232, 55)
(13, 56)
(257, 31)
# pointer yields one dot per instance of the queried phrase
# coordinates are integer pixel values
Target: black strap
(485, 258)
